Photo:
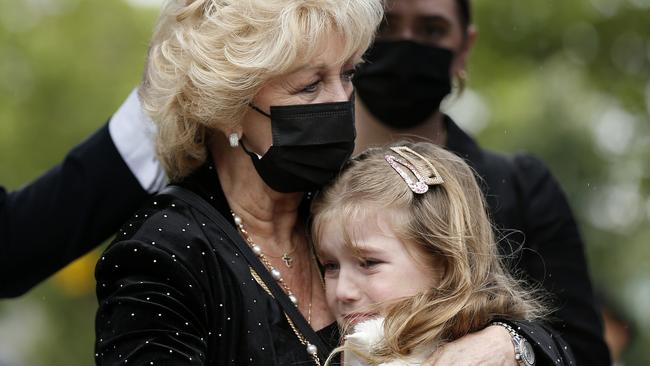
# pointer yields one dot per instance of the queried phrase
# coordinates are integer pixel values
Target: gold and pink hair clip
(420, 167)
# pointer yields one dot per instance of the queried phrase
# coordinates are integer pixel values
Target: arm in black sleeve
(549, 347)
(63, 214)
(554, 257)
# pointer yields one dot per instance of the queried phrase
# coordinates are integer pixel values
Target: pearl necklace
(275, 273)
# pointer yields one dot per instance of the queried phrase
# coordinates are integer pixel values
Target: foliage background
(566, 80)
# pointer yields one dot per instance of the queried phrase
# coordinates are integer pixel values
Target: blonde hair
(209, 58)
(448, 227)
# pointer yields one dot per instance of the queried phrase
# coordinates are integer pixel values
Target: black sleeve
(150, 308)
(554, 257)
(550, 349)
(63, 214)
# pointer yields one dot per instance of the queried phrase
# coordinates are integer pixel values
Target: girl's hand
(491, 346)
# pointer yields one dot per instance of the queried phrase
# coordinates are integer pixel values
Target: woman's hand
(491, 346)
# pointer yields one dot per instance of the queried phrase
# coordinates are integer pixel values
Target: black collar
(464, 146)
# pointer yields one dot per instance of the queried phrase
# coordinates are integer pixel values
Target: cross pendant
(288, 261)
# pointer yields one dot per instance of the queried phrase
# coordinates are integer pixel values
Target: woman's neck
(268, 215)
(371, 132)
(271, 221)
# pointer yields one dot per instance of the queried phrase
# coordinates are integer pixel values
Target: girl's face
(377, 269)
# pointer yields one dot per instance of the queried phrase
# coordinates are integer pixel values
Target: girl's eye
(311, 88)
(330, 267)
(348, 75)
(370, 263)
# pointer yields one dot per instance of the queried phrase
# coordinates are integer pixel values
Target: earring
(233, 139)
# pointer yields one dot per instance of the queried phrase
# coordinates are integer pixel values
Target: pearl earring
(233, 139)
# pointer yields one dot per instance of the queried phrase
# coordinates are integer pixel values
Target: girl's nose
(347, 289)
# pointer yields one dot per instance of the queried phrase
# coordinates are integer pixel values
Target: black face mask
(310, 144)
(403, 82)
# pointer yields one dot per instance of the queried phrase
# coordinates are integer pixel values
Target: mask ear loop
(243, 146)
(259, 110)
(250, 153)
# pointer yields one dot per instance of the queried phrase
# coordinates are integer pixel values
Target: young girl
(409, 256)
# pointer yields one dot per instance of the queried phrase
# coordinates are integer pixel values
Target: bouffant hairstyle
(209, 58)
(447, 229)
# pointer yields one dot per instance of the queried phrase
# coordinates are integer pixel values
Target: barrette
(416, 166)
(431, 175)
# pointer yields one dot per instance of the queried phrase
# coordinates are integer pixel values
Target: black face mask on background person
(403, 82)
(310, 144)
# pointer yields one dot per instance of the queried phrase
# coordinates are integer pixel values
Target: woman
(253, 101)
(420, 49)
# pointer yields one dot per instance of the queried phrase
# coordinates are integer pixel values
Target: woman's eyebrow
(353, 60)
(322, 67)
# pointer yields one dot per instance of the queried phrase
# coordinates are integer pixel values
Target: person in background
(421, 47)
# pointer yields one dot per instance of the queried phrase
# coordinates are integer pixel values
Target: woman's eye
(348, 75)
(311, 87)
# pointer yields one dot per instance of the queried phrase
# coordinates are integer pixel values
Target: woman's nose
(337, 90)
(341, 92)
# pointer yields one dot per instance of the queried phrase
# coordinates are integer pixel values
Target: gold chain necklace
(275, 273)
(312, 350)
(286, 256)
